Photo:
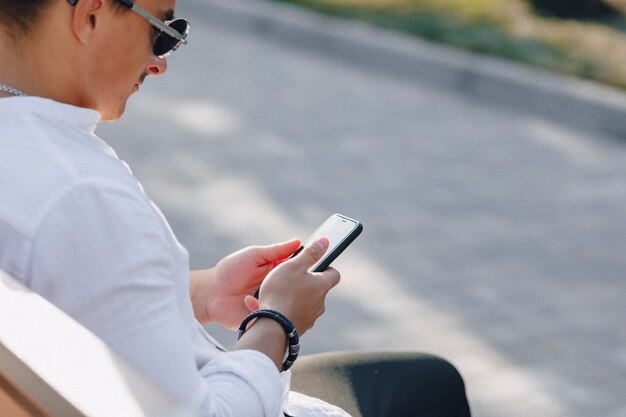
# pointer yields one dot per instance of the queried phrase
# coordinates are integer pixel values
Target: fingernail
(321, 243)
(317, 245)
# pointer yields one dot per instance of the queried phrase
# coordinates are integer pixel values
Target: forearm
(199, 292)
(265, 336)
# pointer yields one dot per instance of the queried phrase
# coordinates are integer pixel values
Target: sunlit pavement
(494, 238)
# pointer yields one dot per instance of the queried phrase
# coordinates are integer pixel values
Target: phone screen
(340, 232)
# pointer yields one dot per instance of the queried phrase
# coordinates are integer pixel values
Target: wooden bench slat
(51, 365)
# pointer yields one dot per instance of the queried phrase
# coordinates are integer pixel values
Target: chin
(115, 113)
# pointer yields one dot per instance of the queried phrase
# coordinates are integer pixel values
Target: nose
(157, 66)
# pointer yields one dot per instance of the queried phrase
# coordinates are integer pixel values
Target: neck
(8, 74)
(32, 71)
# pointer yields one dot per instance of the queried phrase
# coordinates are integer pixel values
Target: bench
(51, 366)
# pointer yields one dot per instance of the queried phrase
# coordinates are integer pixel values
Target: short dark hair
(21, 15)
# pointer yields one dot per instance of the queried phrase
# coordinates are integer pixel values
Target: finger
(251, 303)
(331, 276)
(279, 251)
(312, 253)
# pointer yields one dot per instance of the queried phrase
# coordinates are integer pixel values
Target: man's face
(122, 56)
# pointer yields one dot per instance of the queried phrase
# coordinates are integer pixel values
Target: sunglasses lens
(164, 43)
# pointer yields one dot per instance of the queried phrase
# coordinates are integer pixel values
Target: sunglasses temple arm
(156, 22)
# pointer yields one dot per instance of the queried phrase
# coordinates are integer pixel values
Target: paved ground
(492, 237)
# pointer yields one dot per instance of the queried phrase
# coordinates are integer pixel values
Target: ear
(86, 15)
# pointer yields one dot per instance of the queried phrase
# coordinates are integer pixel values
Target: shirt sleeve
(102, 254)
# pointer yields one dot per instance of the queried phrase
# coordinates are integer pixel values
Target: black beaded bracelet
(288, 327)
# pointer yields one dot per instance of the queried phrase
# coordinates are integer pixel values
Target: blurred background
(581, 37)
(495, 227)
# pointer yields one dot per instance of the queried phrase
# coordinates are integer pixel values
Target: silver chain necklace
(11, 90)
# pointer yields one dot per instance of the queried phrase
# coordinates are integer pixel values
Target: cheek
(130, 50)
(126, 64)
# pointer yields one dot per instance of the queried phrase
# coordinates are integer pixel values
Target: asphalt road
(493, 237)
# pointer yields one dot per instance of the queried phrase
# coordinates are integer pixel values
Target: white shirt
(77, 228)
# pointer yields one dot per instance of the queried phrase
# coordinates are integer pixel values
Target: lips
(137, 85)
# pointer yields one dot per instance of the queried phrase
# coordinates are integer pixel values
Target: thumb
(278, 251)
(312, 253)
(251, 303)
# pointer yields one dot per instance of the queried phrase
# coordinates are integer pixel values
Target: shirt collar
(86, 119)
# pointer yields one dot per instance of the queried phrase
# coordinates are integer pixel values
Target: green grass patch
(509, 29)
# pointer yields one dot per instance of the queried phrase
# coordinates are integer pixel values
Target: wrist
(200, 293)
(271, 330)
(287, 327)
(267, 337)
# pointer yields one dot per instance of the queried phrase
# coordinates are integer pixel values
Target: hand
(290, 289)
(297, 294)
(218, 294)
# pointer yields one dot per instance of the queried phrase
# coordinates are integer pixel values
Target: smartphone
(340, 232)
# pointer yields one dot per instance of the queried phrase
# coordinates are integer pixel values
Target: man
(76, 227)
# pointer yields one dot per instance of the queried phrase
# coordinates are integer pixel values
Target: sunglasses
(172, 33)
